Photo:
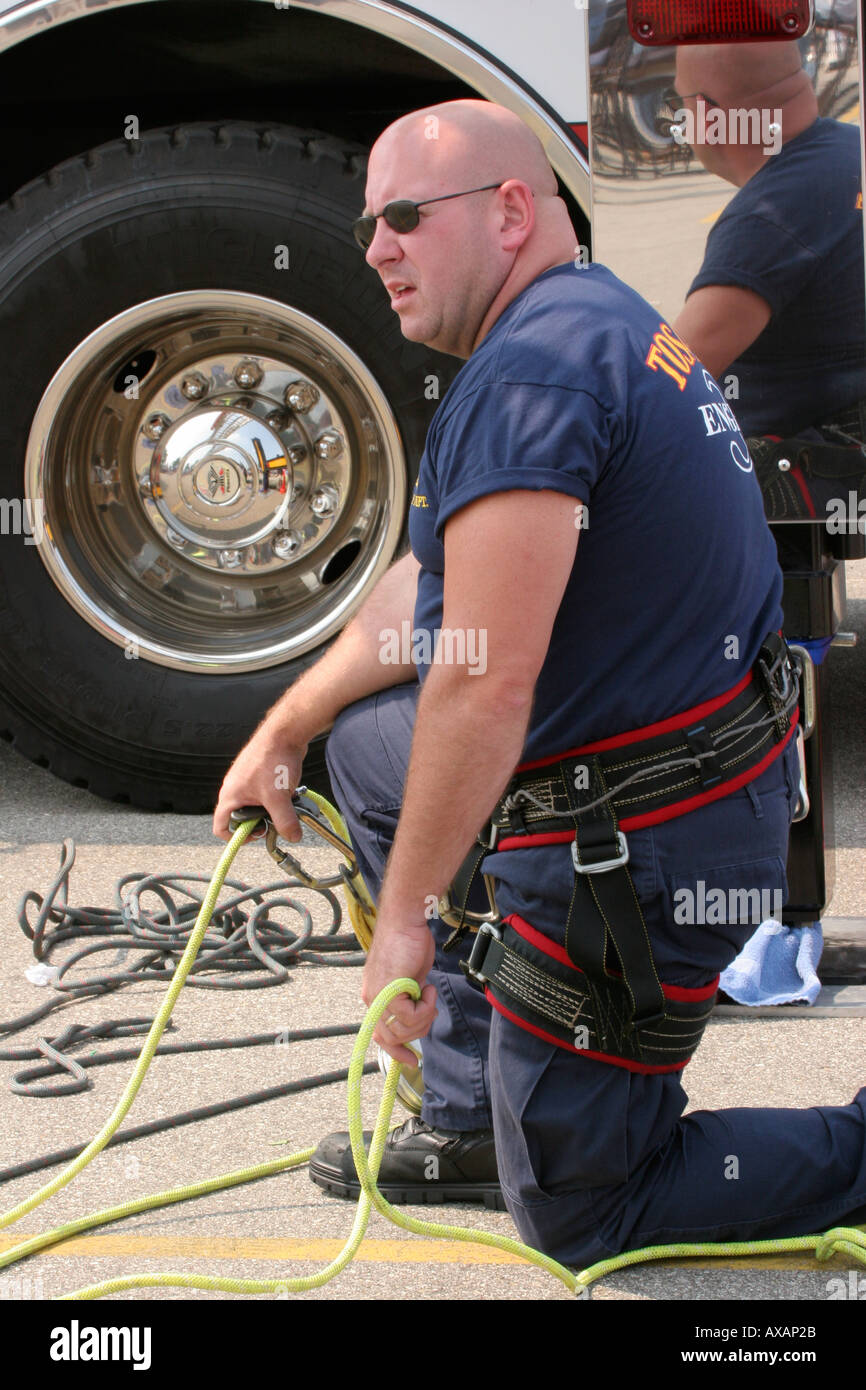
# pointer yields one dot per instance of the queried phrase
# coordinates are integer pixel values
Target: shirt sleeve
(757, 254)
(508, 436)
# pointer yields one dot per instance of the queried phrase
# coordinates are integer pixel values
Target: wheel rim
(221, 479)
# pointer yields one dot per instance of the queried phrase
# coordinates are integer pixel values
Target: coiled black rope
(241, 950)
(251, 950)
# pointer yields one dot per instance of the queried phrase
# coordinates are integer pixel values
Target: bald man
(555, 670)
(778, 303)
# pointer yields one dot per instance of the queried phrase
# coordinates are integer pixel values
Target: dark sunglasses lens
(401, 216)
(364, 229)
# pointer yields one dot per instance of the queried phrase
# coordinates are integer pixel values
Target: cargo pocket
(727, 902)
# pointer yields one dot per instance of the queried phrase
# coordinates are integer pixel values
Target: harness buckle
(604, 864)
(480, 946)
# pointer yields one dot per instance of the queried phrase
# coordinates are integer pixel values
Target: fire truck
(210, 420)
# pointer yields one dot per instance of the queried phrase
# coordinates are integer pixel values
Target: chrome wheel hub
(240, 471)
(213, 480)
(223, 480)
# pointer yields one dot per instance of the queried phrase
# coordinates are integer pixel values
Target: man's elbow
(504, 694)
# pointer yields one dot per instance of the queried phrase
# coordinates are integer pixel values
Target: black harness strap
(607, 982)
(604, 910)
(561, 1003)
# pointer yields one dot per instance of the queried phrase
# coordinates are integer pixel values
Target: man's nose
(385, 245)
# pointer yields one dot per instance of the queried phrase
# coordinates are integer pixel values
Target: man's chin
(415, 330)
(420, 331)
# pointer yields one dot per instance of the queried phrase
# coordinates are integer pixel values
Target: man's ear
(518, 208)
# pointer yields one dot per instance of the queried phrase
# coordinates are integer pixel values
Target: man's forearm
(466, 744)
(353, 666)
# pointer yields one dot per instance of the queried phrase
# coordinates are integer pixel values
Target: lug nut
(297, 454)
(194, 385)
(277, 419)
(301, 396)
(324, 500)
(248, 374)
(156, 426)
(329, 445)
(286, 544)
(230, 559)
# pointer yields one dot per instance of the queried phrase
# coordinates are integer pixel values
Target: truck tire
(209, 424)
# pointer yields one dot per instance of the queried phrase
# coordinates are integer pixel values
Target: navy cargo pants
(594, 1159)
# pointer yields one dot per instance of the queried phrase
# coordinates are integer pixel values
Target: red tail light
(718, 21)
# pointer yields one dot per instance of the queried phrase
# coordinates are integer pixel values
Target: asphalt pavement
(284, 1225)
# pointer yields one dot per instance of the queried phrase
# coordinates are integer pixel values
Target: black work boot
(419, 1164)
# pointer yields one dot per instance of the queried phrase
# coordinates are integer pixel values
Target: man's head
(766, 80)
(469, 256)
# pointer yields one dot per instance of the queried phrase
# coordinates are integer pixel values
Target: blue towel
(778, 965)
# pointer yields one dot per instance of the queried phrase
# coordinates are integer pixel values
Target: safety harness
(600, 994)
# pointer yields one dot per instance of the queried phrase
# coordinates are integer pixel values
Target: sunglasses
(672, 102)
(402, 215)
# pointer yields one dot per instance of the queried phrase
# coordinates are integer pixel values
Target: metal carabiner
(308, 814)
(242, 813)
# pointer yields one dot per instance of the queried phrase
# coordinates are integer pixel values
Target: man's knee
(374, 734)
(351, 733)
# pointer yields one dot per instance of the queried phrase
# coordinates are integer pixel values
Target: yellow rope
(152, 1041)
(363, 918)
(848, 1239)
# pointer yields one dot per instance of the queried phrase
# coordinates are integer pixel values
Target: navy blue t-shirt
(581, 388)
(794, 235)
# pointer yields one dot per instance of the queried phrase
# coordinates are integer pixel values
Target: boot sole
(414, 1194)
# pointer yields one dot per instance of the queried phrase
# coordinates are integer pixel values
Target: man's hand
(252, 781)
(399, 951)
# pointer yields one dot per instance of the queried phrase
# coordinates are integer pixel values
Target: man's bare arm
(350, 669)
(719, 322)
(471, 723)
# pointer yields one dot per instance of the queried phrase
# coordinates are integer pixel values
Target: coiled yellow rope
(850, 1240)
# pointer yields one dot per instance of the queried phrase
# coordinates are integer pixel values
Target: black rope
(241, 950)
(54, 1052)
(183, 1117)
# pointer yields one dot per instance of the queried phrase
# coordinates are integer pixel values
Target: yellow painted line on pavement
(711, 217)
(276, 1248)
(371, 1251)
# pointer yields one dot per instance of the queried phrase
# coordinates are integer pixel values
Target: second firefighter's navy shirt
(794, 234)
